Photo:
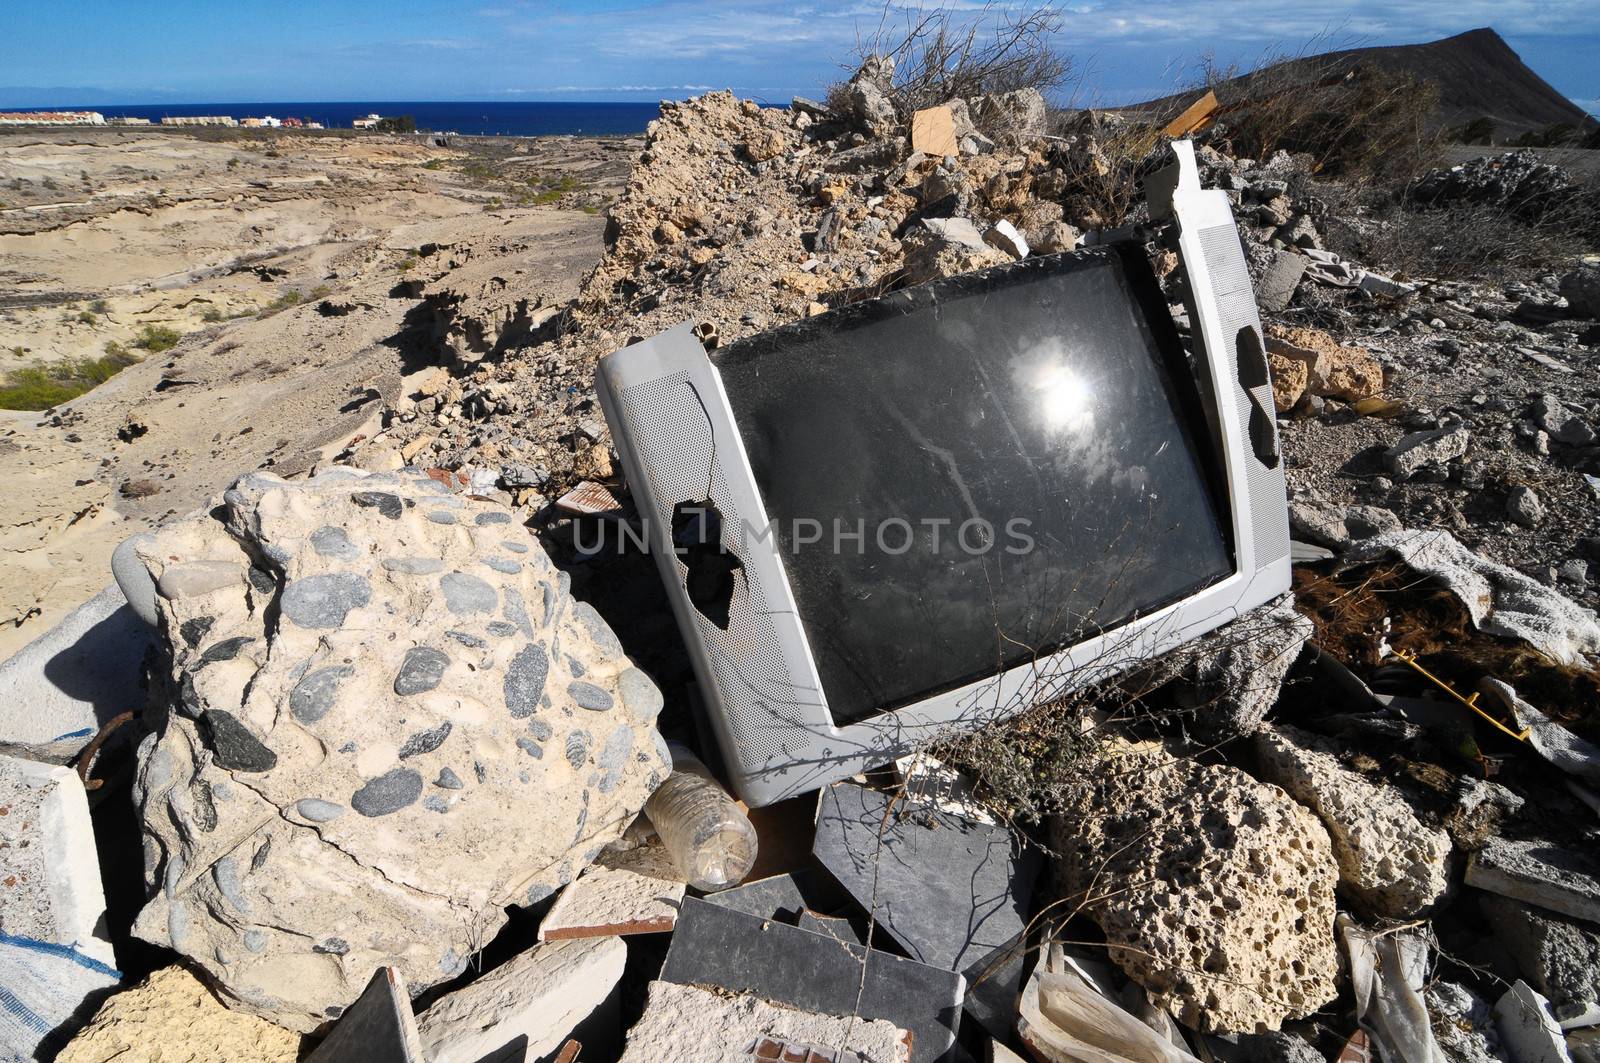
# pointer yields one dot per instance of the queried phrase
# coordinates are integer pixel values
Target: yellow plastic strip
(1471, 703)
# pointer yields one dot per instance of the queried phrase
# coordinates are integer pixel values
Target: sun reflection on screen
(1065, 399)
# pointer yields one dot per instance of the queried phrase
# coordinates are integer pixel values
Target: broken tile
(949, 891)
(590, 499)
(633, 892)
(1540, 873)
(685, 1022)
(1527, 1031)
(531, 1002)
(781, 897)
(933, 132)
(378, 1028)
(928, 780)
(718, 946)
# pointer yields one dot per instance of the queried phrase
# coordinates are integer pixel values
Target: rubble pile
(390, 770)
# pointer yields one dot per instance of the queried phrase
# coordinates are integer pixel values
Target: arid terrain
(290, 275)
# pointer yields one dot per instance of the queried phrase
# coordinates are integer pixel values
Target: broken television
(944, 505)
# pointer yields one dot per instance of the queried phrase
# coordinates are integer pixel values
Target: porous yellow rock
(171, 1017)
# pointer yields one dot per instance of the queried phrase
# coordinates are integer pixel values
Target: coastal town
(96, 118)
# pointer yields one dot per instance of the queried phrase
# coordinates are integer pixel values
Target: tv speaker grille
(753, 678)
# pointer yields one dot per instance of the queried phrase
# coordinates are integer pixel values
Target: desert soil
(305, 275)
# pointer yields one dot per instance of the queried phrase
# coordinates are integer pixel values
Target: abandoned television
(947, 504)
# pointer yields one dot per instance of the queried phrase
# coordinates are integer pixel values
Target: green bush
(157, 338)
(41, 387)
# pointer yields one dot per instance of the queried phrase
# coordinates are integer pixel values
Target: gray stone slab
(947, 890)
(1279, 281)
(781, 897)
(58, 690)
(718, 946)
(378, 1028)
(834, 926)
(1558, 957)
(1538, 872)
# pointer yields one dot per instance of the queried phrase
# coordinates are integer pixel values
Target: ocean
(522, 118)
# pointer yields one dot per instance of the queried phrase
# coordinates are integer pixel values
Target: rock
(1426, 449)
(1396, 867)
(1056, 237)
(1230, 678)
(1279, 280)
(944, 247)
(1526, 1029)
(528, 1004)
(173, 1017)
(867, 95)
(1333, 371)
(933, 132)
(1289, 378)
(1467, 1031)
(1581, 289)
(1538, 873)
(1012, 116)
(1500, 600)
(286, 796)
(1215, 892)
(1337, 527)
(1525, 507)
(1003, 236)
(1559, 957)
(690, 1022)
(767, 144)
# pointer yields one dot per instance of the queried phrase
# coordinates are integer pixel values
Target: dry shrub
(1105, 182)
(1354, 119)
(1357, 610)
(951, 50)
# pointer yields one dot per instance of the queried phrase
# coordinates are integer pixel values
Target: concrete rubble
(389, 754)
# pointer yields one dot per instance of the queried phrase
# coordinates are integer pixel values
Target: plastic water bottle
(709, 838)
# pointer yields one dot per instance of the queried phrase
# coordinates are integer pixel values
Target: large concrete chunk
(1540, 873)
(1393, 864)
(1559, 957)
(635, 892)
(1216, 892)
(381, 731)
(683, 1022)
(49, 875)
(531, 1003)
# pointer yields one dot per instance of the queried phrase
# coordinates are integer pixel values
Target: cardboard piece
(933, 132)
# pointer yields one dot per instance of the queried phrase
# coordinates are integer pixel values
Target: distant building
(250, 123)
(314, 125)
(292, 123)
(198, 119)
(52, 118)
(366, 123)
(127, 120)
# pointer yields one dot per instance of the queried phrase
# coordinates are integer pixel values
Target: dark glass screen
(1015, 450)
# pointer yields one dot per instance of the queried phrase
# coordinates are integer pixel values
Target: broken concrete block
(395, 671)
(1280, 280)
(378, 1028)
(1394, 865)
(718, 946)
(1215, 892)
(1558, 957)
(1539, 873)
(530, 1003)
(58, 690)
(1231, 677)
(174, 1009)
(933, 132)
(1427, 449)
(944, 247)
(1003, 235)
(685, 1022)
(634, 892)
(1526, 1028)
(50, 888)
(1463, 1023)
(949, 892)
(1334, 371)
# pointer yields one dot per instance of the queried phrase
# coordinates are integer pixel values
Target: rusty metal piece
(86, 758)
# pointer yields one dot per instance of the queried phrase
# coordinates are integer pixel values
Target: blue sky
(135, 51)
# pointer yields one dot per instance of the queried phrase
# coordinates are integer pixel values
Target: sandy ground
(293, 267)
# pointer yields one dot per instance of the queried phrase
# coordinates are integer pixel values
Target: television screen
(969, 475)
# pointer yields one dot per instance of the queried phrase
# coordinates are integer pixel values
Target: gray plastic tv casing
(663, 399)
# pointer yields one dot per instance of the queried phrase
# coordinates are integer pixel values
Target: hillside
(1477, 73)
